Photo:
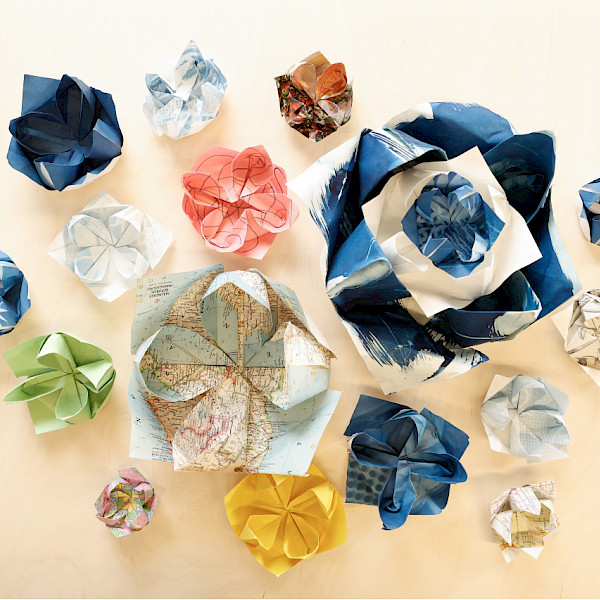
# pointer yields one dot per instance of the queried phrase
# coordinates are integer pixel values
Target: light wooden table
(536, 63)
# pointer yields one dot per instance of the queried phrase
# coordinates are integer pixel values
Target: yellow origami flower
(284, 519)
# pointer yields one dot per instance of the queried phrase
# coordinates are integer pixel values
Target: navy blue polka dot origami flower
(67, 134)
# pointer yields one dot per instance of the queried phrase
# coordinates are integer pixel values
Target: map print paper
(226, 374)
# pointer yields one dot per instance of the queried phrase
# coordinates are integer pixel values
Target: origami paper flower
(582, 340)
(185, 99)
(315, 97)
(227, 374)
(127, 503)
(402, 460)
(14, 294)
(440, 237)
(522, 517)
(67, 135)
(68, 380)
(589, 218)
(523, 416)
(109, 246)
(284, 519)
(237, 201)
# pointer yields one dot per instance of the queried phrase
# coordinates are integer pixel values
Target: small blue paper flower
(402, 460)
(590, 212)
(14, 294)
(67, 134)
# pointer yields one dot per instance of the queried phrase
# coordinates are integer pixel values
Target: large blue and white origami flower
(440, 237)
(67, 135)
(14, 294)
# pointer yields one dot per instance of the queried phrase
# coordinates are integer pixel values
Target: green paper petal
(56, 354)
(42, 414)
(96, 399)
(22, 359)
(72, 404)
(35, 387)
(96, 374)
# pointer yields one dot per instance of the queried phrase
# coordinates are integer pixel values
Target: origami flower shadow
(402, 460)
(523, 416)
(315, 97)
(185, 100)
(127, 504)
(68, 380)
(67, 134)
(284, 519)
(109, 246)
(237, 201)
(14, 294)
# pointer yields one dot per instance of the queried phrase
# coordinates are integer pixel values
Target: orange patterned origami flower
(238, 201)
(284, 519)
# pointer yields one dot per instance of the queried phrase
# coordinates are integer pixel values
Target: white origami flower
(110, 245)
(523, 416)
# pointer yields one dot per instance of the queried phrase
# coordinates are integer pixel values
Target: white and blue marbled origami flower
(589, 217)
(440, 237)
(524, 417)
(401, 460)
(14, 294)
(183, 100)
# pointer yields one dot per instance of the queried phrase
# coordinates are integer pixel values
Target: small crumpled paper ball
(127, 503)
(589, 217)
(14, 294)
(185, 98)
(284, 519)
(110, 245)
(67, 134)
(237, 201)
(402, 460)
(521, 517)
(68, 380)
(315, 97)
(523, 416)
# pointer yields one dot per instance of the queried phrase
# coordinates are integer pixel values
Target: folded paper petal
(402, 460)
(109, 246)
(286, 519)
(68, 380)
(127, 503)
(238, 201)
(67, 134)
(440, 237)
(14, 294)
(227, 374)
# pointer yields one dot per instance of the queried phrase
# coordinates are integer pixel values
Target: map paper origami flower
(237, 201)
(284, 519)
(109, 246)
(315, 97)
(440, 236)
(68, 380)
(227, 374)
(185, 99)
(401, 460)
(522, 517)
(126, 504)
(589, 218)
(523, 416)
(67, 134)
(14, 294)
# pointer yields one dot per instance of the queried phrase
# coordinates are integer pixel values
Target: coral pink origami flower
(238, 201)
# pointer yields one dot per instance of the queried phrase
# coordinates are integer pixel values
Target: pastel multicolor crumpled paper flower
(110, 245)
(67, 135)
(440, 237)
(284, 519)
(237, 201)
(521, 517)
(184, 99)
(14, 294)
(127, 503)
(68, 380)
(524, 417)
(401, 460)
(315, 97)
(589, 217)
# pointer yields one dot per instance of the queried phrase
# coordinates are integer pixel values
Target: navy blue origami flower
(401, 460)
(590, 212)
(440, 237)
(14, 294)
(67, 134)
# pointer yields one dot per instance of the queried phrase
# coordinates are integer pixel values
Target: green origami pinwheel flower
(68, 380)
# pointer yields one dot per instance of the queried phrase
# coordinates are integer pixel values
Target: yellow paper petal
(301, 540)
